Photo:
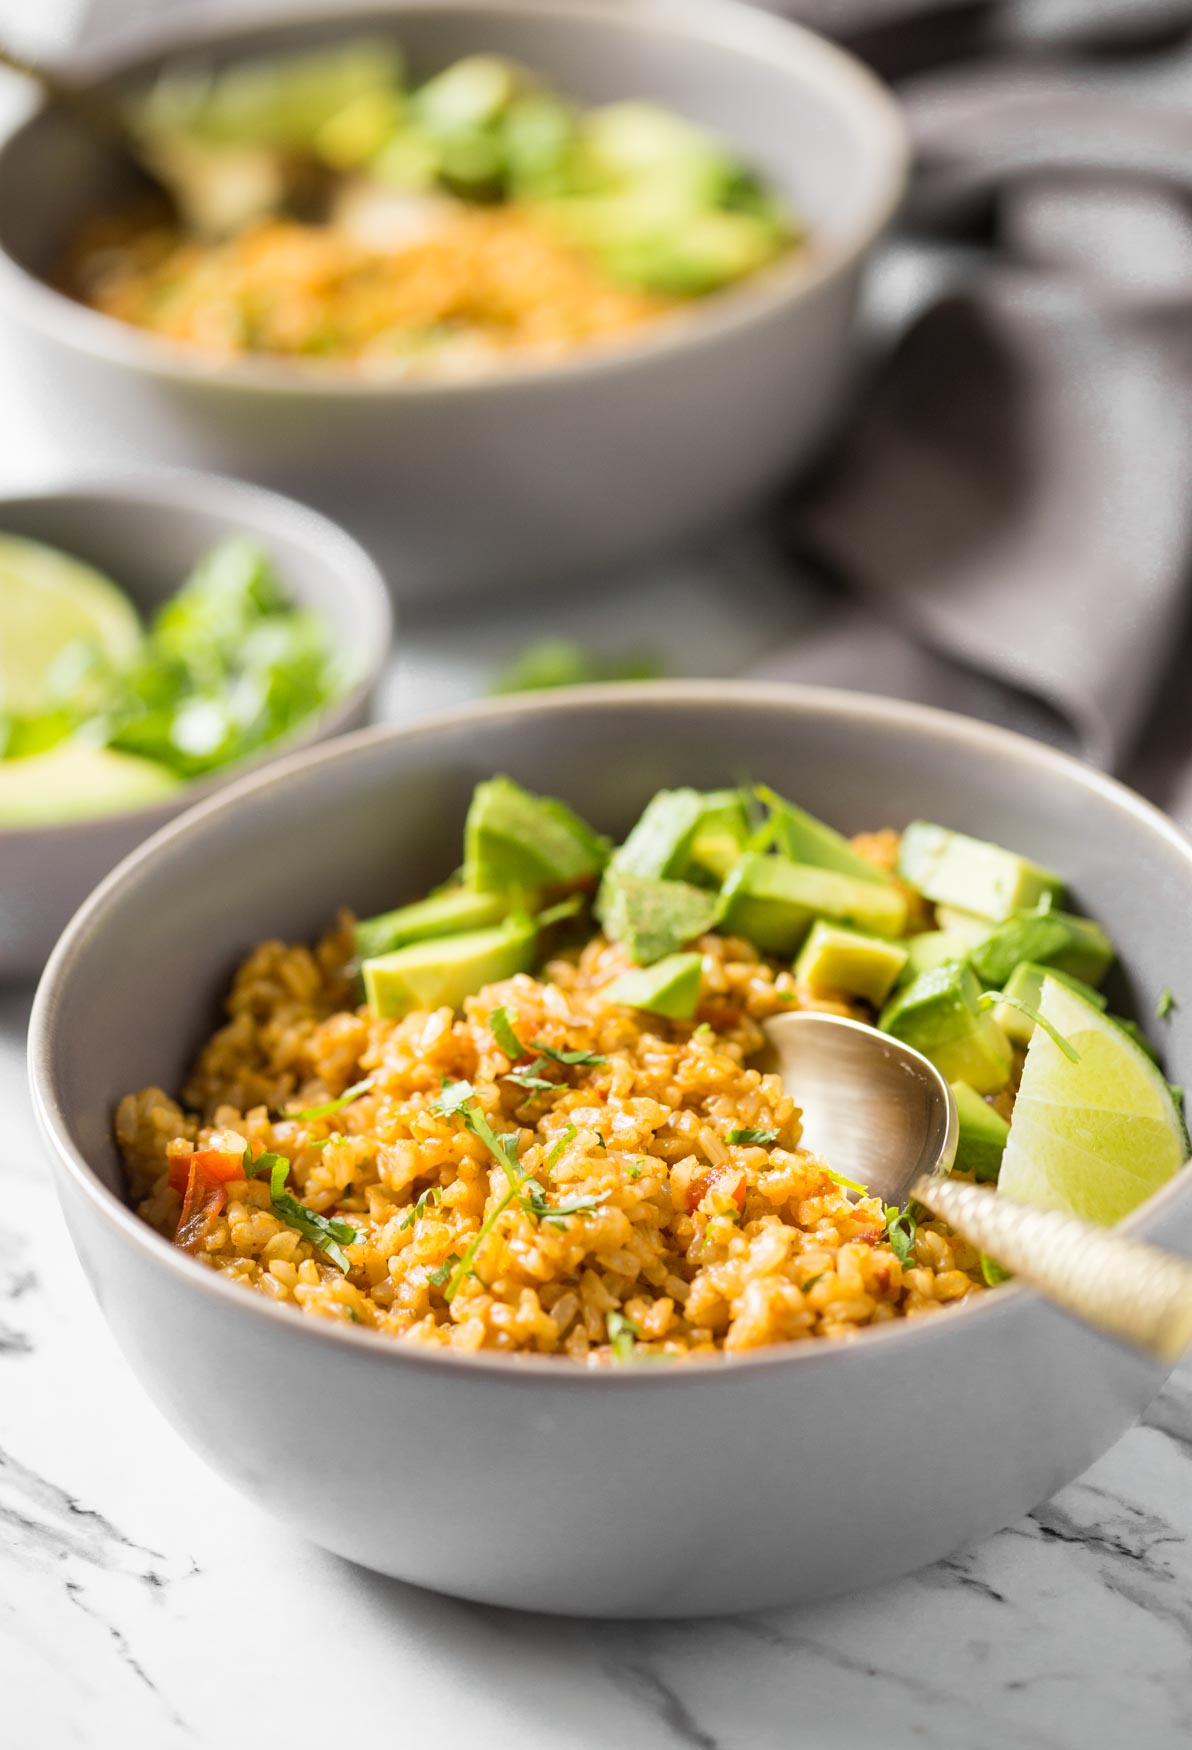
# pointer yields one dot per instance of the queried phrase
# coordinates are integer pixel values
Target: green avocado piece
(709, 250)
(443, 914)
(74, 780)
(653, 918)
(940, 1015)
(686, 835)
(670, 987)
(467, 95)
(835, 959)
(772, 902)
(953, 869)
(931, 949)
(430, 975)
(514, 839)
(1025, 985)
(983, 1133)
(1074, 945)
(807, 840)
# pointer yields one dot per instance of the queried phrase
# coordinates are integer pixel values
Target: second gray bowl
(540, 471)
(146, 531)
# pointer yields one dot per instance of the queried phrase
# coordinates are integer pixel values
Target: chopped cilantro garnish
(569, 1057)
(634, 1170)
(901, 1228)
(354, 1316)
(1165, 1005)
(534, 1203)
(753, 1138)
(440, 1275)
(326, 1233)
(501, 1028)
(601, 1141)
(530, 1078)
(432, 1194)
(992, 997)
(557, 1150)
(992, 1271)
(459, 1099)
(849, 1184)
(812, 1280)
(557, 914)
(330, 1106)
(622, 1334)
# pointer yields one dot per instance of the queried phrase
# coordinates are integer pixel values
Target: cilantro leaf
(440, 1275)
(622, 1334)
(530, 1078)
(753, 1138)
(991, 997)
(901, 1228)
(568, 1135)
(501, 1028)
(432, 1194)
(592, 1058)
(849, 1184)
(1165, 1005)
(330, 1106)
(634, 1170)
(535, 1204)
(459, 1099)
(812, 1280)
(326, 1233)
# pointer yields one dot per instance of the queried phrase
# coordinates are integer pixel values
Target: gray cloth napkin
(1006, 526)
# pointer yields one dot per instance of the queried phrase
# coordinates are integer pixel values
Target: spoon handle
(1128, 1289)
(98, 113)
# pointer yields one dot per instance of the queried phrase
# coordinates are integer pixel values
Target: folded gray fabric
(1008, 520)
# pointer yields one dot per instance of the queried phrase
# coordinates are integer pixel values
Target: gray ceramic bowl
(146, 531)
(537, 472)
(707, 1486)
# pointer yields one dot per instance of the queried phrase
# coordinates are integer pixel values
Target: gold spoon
(880, 1112)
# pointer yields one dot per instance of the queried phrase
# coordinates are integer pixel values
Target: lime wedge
(1096, 1137)
(47, 601)
(74, 780)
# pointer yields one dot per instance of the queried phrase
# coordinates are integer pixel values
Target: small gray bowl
(711, 1485)
(146, 531)
(541, 471)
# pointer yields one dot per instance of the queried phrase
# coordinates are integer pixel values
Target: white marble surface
(144, 1604)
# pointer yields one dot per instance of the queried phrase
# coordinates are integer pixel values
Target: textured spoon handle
(1130, 1290)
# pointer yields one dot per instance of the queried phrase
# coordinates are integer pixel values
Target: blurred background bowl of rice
(541, 470)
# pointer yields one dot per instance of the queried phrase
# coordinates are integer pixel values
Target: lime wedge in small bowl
(49, 601)
(1096, 1137)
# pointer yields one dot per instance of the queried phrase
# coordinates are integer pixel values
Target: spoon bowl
(873, 1108)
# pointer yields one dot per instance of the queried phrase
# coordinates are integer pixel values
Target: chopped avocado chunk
(983, 1134)
(669, 987)
(940, 1015)
(74, 780)
(653, 918)
(1025, 985)
(807, 840)
(686, 835)
(443, 914)
(465, 96)
(835, 959)
(514, 839)
(430, 975)
(1074, 945)
(931, 949)
(772, 902)
(968, 926)
(953, 869)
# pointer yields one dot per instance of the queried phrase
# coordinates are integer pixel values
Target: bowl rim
(265, 512)
(873, 111)
(546, 1370)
